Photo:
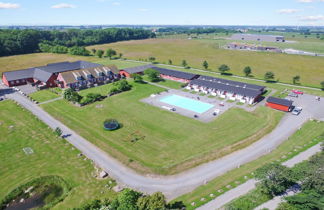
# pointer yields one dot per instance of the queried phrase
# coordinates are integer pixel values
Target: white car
(297, 110)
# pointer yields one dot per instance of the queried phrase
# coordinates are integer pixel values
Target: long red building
(279, 104)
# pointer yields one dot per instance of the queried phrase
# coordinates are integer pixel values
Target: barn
(279, 104)
(178, 76)
(43, 75)
(127, 72)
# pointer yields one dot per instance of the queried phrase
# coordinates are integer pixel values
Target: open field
(296, 41)
(168, 143)
(17, 62)
(52, 156)
(195, 52)
(44, 95)
(311, 133)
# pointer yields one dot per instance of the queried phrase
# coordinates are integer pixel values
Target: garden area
(168, 145)
(37, 165)
(46, 95)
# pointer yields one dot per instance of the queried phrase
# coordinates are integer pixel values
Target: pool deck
(204, 117)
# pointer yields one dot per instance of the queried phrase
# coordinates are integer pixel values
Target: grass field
(304, 137)
(44, 95)
(195, 52)
(20, 129)
(10, 63)
(168, 143)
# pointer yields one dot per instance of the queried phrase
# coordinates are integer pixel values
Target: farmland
(51, 156)
(168, 145)
(284, 66)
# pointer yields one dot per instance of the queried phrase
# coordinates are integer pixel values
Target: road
(175, 185)
(251, 184)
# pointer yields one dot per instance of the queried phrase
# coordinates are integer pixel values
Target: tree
(71, 95)
(127, 199)
(58, 131)
(170, 62)
(275, 178)
(269, 76)
(322, 85)
(306, 200)
(110, 52)
(224, 68)
(120, 55)
(155, 201)
(184, 63)
(296, 79)
(79, 51)
(151, 59)
(100, 53)
(122, 85)
(205, 65)
(152, 74)
(93, 50)
(247, 71)
(137, 78)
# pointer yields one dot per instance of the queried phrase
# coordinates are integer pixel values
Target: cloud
(9, 6)
(306, 1)
(312, 18)
(63, 5)
(288, 11)
(143, 10)
(116, 3)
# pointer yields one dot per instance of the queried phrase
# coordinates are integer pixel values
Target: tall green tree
(269, 76)
(151, 59)
(224, 68)
(322, 85)
(170, 62)
(205, 65)
(155, 201)
(152, 74)
(93, 50)
(275, 178)
(247, 71)
(137, 78)
(184, 63)
(296, 79)
(110, 52)
(100, 53)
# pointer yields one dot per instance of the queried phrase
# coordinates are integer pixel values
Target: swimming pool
(187, 103)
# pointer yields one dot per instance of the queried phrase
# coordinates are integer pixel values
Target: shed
(279, 104)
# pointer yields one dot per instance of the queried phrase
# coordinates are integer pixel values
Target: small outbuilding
(279, 104)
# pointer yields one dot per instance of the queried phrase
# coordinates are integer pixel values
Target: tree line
(188, 30)
(13, 42)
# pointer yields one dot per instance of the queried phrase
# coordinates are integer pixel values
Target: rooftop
(279, 101)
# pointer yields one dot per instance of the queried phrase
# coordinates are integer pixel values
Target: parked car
(297, 110)
(298, 92)
(293, 95)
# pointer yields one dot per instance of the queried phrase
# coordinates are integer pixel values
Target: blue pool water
(187, 103)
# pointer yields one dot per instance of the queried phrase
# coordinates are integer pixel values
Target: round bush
(111, 124)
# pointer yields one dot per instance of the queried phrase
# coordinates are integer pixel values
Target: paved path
(49, 101)
(175, 185)
(250, 185)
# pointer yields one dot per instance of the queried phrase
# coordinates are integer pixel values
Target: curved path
(175, 185)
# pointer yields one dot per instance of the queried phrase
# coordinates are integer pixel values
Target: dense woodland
(13, 42)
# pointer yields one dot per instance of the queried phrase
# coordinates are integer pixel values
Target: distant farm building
(279, 104)
(252, 47)
(258, 37)
(43, 76)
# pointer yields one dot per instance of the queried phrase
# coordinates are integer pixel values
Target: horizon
(125, 12)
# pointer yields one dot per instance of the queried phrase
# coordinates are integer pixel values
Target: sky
(164, 12)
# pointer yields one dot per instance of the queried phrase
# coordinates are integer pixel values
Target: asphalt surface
(251, 184)
(175, 185)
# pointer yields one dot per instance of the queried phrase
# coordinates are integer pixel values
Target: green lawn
(167, 83)
(196, 51)
(311, 133)
(44, 95)
(169, 142)
(52, 156)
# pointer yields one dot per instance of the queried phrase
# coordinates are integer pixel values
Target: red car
(298, 92)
